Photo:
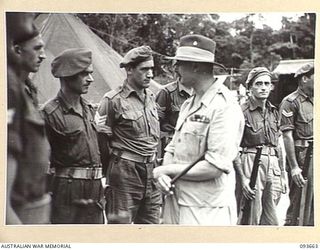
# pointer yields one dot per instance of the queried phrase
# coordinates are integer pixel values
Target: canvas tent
(63, 31)
(286, 83)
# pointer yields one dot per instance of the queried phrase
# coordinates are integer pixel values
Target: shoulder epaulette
(112, 93)
(171, 86)
(292, 96)
(50, 106)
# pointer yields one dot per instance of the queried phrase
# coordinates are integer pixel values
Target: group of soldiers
(70, 163)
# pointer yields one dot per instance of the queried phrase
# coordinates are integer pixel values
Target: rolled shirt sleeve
(104, 117)
(224, 136)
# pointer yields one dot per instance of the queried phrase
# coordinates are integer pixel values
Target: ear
(304, 79)
(129, 70)
(272, 86)
(17, 49)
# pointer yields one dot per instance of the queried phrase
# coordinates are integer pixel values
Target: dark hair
(18, 28)
(307, 74)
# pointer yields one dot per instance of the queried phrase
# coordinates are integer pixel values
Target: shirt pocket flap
(277, 172)
(195, 128)
(253, 128)
(305, 118)
(132, 115)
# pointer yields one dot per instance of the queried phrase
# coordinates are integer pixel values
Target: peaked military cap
(195, 48)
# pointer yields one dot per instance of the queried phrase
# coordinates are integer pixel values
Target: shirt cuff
(219, 161)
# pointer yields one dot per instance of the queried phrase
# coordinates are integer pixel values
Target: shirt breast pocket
(192, 140)
(72, 135)
(254, 127)
(304, 123)
(253, 134)
(133, 123)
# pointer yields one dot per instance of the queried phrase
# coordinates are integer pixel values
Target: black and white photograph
(174, 119)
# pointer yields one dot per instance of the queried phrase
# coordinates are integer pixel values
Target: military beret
(137, 55)
(305, 69)
(195, 48)
(255, 73)
(71, 62)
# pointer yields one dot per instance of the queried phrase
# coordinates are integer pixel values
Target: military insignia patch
(100, 119)
(287, 114)
(200, 118)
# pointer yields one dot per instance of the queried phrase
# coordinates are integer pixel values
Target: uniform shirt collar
(211, 92)
(305, 97)
(182, 88)
(127, 90)
(66, 106)
(253, 105)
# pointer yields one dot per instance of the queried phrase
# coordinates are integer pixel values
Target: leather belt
(133, 156)
(79, 172)
(266, 150)
(302, 143)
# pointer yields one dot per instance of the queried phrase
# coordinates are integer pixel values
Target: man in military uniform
(130, 119)
(261, 129)
(75, 156)
(297, 126)
(210, 124)
(169, 100)
(28, 148)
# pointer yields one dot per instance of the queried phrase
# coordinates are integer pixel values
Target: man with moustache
(28, 148)
(297, 126)
(262, 128)
(130, 119)
(210, 123)
(77, 192)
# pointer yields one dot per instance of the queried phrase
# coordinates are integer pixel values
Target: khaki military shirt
(214, 126)
(297, 115)
(27, 141)
(169, 100)
(261, 128)
(132, 121)
(72, 135)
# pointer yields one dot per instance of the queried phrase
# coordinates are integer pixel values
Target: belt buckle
(91, 172)
(269, 151)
